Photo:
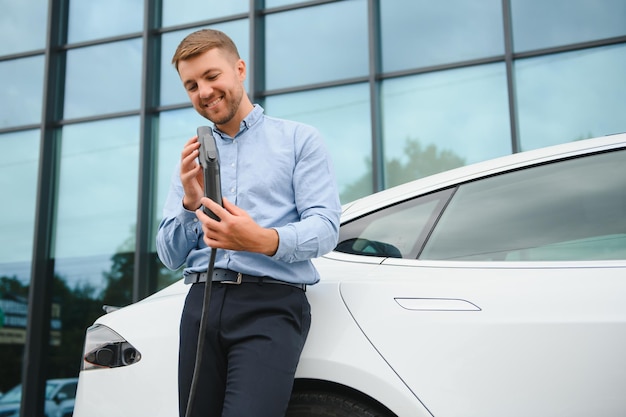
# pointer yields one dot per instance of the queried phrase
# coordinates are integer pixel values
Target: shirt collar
(253, 117)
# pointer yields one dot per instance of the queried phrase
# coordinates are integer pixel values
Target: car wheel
(322, 404)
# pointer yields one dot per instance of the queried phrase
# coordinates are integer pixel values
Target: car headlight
(106, 349)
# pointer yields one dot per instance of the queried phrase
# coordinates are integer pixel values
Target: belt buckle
(239, 278)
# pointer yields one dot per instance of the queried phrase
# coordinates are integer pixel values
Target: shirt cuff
(287, 240)
(186, 216)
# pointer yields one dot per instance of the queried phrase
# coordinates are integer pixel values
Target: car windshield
(50, 389)
(14, 395)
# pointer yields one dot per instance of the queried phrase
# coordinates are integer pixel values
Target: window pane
(97, 202)
(93, 19)
(342, 116)
(95, 230)
(19, 155)
(176, 12)
(422, 33)
(21, 91)
(438, 121)
(316, 44)
(12, 353)
(103, 79)
(19, 159)
(172, 91)
(175, 128)
(543, 24)
(23, 25)
(570, 96)
(571, 210)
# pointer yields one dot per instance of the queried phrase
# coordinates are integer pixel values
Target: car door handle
(436, 304)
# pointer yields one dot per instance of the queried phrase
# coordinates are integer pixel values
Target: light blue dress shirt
(278, 171)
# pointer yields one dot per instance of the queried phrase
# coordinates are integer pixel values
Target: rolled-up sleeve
(317, 202)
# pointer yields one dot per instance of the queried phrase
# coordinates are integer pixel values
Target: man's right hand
(191, 175)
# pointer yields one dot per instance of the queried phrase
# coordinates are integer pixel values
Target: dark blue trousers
(254, 338)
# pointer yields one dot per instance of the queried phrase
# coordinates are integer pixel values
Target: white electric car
(497, 289)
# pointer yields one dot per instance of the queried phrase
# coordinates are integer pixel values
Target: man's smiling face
(214, 83)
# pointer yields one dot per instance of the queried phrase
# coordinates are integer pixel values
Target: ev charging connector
(210, 161)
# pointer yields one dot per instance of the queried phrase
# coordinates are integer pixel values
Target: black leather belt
(226, 276)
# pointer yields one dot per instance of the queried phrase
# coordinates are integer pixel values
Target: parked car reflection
(60, 394)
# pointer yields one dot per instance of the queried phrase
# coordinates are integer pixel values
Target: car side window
(569, 210)
(397, 231)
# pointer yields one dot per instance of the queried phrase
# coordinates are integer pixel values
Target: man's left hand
(236, 230)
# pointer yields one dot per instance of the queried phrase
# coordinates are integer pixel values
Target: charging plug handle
(210, 162)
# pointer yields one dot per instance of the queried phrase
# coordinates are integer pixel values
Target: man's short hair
(201, 41)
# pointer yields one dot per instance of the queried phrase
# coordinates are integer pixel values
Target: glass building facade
(93, 118)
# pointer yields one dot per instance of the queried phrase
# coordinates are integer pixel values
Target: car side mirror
(60, 397)
(366, 247)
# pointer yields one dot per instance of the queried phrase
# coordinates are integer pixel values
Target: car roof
(469, 172)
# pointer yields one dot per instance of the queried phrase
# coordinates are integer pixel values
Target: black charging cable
(209, 160)
(201, 333)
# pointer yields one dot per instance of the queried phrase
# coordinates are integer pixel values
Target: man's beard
(232, 108)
